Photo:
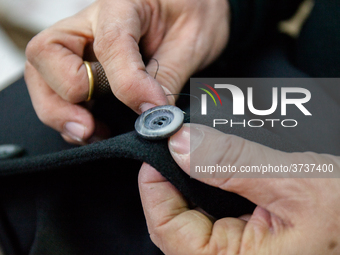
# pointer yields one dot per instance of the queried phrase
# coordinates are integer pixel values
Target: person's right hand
(184, 36)
(296, 215)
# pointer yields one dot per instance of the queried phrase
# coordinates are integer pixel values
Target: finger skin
(117, 34)
(178, 34)
(223, 149)
(57, 79)
(179, 37)
(290, 209)
(57, 54)
(177, 230)
(182, 52)
(54, 111)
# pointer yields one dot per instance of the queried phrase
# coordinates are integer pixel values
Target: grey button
(8, 151)
(159, 122)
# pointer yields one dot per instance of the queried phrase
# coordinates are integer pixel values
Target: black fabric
(316, 51)
(130, 145)
(91, 209)
(18, 119)
(61, 199)
(40, 194)
(61, 186)
(155, 153)
(253, 22)
(77, 210)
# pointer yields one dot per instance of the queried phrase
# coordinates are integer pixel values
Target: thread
(179, 94)
(156, 69)
(185, 94)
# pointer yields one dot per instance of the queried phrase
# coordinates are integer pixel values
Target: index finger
(117, 35)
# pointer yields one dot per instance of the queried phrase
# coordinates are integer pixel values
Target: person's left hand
(293, 215)
(184, 36)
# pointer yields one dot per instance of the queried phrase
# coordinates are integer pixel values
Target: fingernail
(187, 140)
(145, 106)
(94, 139)
(74, 130)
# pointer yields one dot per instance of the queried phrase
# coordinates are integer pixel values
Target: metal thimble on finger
(98, 83)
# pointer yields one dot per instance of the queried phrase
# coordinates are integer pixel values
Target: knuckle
(28, 71)
(73, 91)
(157, 241)
(156, 236)
(103, 42)
(129, 90)
(32, 48)
(232, 150)
(73, 85)
(36, 46)
(44, 114)
(156, 233)
(124, 85)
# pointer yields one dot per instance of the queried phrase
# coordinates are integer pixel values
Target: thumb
(198, 148)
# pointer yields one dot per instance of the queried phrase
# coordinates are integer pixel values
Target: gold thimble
(98, 83)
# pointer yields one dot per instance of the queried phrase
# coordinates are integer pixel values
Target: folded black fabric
(156, 153)
(62, 199)
(46, 182)
(130, 145)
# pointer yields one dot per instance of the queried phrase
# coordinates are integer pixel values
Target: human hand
(183, 36)
(293, 215)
